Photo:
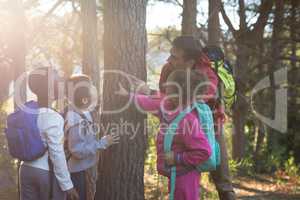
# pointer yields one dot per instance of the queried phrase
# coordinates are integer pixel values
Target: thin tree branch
(226, 18)
(74, 7)
(58, 3)
(264, 11)
(242, 14)
(178, 3)
(175, 2)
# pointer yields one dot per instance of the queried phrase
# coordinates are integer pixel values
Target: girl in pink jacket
(190, 146)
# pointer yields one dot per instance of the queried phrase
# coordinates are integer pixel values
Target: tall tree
(260, 130)
(293, 78)
(214, 22)
(89, 40)
(16, 48)
(247, 37)
(276, 52)
(189, 17)
(121, 169)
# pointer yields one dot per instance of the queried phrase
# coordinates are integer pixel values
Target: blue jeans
(79, 182)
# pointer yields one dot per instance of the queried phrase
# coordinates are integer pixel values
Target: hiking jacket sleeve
(196, 147)
(81, 142)
(149, 104)
(55, 141)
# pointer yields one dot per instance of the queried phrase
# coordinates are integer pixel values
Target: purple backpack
(22, 134)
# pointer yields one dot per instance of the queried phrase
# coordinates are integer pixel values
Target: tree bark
(240, 108)
(189, 18)
(90, 64)
(260, 130)
(277, 48)
(121, 168)
(214, 33)
(293, 77)
(16, 50)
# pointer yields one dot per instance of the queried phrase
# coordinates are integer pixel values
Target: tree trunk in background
(260, 130)
(90, 64)
(16, 49)
(189, 17)
(240, 107)
(121, 168)
(274, 137)
(246, 42)
(293, 77)
(214, 23)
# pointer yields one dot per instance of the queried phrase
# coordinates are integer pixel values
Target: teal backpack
(207, 124)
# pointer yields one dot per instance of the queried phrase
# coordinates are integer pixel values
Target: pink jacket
(189, 145)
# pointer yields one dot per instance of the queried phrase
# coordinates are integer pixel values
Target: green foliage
(208, 190)
(243, 167)
(150, 162)
(291, 168)
(233, 167)
(8, 168)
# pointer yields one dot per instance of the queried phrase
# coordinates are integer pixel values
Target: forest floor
(263, 187)
(259, 187)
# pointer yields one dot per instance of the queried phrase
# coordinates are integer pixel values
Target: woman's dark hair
(191, 47)
(39, 80)
(78, 88)
(192, 83)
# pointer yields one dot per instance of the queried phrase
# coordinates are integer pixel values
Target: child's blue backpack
(207, 124)
(22, 134)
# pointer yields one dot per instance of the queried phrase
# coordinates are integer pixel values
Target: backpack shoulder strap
(168, 139)
(169, 135)
(82, 115)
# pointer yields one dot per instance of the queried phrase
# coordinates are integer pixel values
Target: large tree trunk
(89, 40)
(121, 169)
(189, 18)
(277, 47)
(293, 77)
(260, 130)
(240, 107)
(214, 23)
(16, 50)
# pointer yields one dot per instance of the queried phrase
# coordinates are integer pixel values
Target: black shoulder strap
(51, 180)
(83, 116)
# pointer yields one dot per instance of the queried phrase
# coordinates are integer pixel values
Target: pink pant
(187, 186)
